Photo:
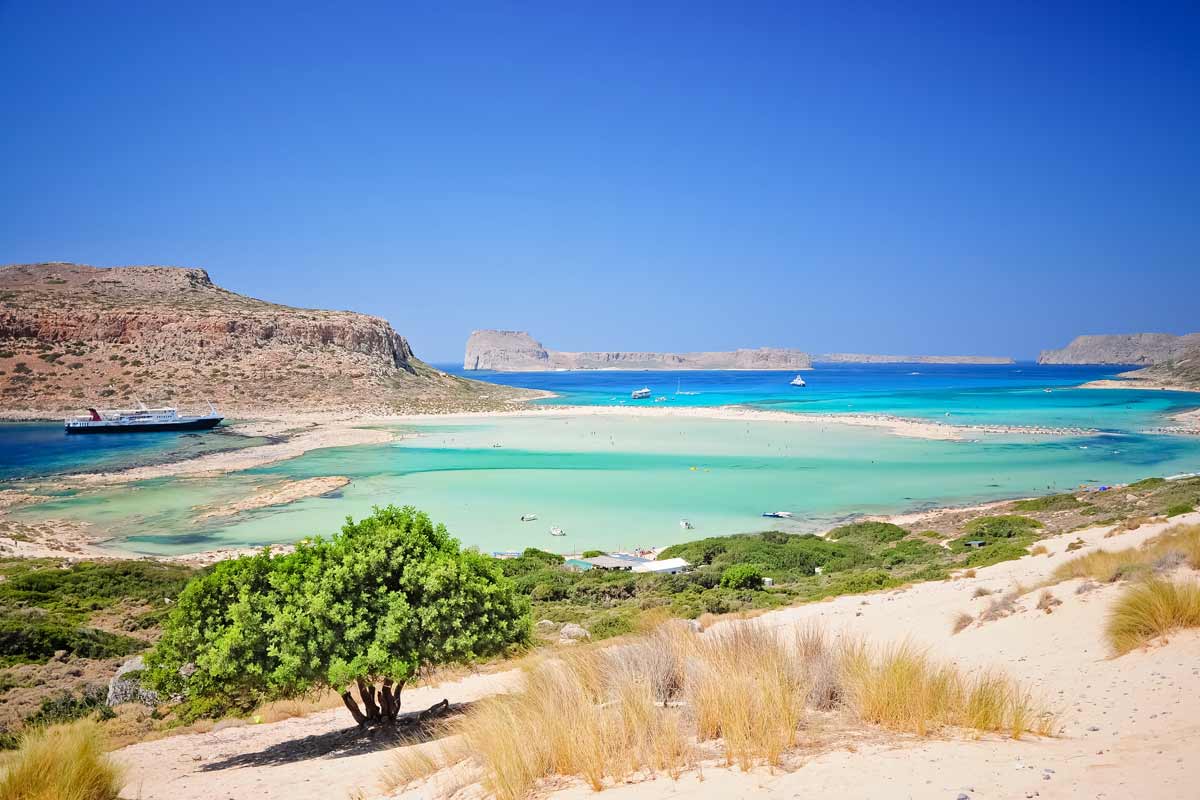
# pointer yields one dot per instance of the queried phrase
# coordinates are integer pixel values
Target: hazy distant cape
(517, 351)
(1122, 348)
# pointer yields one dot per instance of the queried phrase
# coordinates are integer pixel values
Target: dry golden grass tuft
(1176, 545)
(663, 702)
(63, 762)
(962, 621)
(1151, 609)
(1039, 550)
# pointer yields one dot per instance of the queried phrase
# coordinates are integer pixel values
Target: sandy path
(1129, 725)
(318, 756)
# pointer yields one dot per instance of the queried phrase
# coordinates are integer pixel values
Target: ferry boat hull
(106, 426)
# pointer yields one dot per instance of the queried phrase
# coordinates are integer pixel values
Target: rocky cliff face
(1125, 348)
(867, 358)
(74, 336)
(1181, 371)
(517, 351)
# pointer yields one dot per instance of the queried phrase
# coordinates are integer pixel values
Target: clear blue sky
(881, 177)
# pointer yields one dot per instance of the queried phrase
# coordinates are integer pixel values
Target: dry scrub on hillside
(64, 762)
(743, 693)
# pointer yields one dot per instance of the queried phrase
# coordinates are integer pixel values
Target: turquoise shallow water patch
(613, 481)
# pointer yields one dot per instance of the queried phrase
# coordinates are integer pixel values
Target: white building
(668, 566)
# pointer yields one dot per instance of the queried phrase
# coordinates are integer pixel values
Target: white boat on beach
(528, 517)
(556, 531)
(798, 381)
(640, 394)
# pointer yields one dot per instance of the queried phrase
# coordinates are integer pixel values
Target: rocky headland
(517, 351)
(870, 358)
(1141, 349)
(73, 336)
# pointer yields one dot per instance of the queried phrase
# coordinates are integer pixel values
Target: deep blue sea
(955, 393)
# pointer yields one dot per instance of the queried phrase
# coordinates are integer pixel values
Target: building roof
(666, 565)
(614, 562)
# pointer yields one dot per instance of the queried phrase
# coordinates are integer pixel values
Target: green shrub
(742, 576)
(868, 532)
(33, 638)
(1053, 502)
(593, 553)
(911, 551)
(612, 623)
(1003, 526)
(1179, 508)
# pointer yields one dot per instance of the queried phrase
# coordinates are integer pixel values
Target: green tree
(370, 608)
(742, 576)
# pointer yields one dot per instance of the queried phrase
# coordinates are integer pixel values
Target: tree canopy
(370, 607)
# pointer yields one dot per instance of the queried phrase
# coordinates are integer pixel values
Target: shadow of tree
(350, 741)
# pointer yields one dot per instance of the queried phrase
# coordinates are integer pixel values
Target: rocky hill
(517, 351)
(1121, 348)
(1181, 371)
(868, 358)
(73, 336)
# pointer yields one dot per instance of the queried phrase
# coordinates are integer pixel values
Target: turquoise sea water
(620, 481)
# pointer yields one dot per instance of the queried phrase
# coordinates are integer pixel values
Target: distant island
(868, 358)
(1122, 348)
(517, 351)
(74, 336)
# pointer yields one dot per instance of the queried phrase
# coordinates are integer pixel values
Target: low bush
(1149, 610)
(742, 576)
(61, 763)
(1054, 502)
(868, 533)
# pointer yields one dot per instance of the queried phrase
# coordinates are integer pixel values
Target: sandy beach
(1127, 725)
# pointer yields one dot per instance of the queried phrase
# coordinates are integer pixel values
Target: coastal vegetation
(65, 762)
(371, 607)
(744, 694)
(1151, 609)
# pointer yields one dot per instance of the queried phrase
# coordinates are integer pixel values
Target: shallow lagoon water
(613, 481)
(624, 481)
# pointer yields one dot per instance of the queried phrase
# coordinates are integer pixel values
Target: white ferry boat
(140, 419)
(641, 394)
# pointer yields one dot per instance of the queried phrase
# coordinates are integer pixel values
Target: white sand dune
(1129, 725)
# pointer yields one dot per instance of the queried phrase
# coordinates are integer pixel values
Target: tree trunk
(367, 691)
(391, 701)
(348, 699)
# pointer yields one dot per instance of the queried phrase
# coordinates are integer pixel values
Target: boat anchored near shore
(141, 420)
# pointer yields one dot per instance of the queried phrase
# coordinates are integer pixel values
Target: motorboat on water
(662, 399)
(686, 525)
(778, 514)
(798, 381)
(640, 394)
(528, 517)
(141, 420)
(557, 531)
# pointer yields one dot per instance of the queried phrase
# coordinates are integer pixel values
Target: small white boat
(686, 525)
(778, 514)
(640, 394)
(528, 517)
(798, 381)
(662, 399)
(556, 531)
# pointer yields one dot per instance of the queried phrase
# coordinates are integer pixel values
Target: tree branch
(367, 692)
(348, 699)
